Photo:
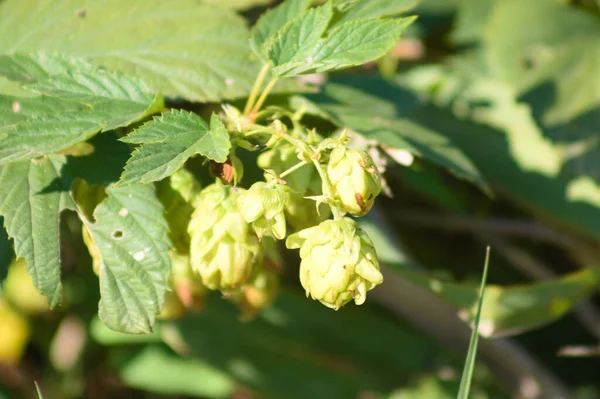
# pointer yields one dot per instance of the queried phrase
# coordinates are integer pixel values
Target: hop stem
(256, 89)
(293, 168)
(263, 96)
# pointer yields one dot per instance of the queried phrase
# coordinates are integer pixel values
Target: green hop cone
(223, 247)
(263, 205)
(339, 262)
(176, 193)
(262, 287)
(354, 179)
(302, 213)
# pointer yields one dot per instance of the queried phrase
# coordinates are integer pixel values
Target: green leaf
(18, 109)
(467, 374)
(347, 44)
(105, 336)
(6, 253)
(382, 111)
(31, 199)
(278, 352)
(514, 309)
(45, 135)
(362, 9)
(75, 106)
(526, 47)
(121, 99)
(296, 41)
(273, 20)
(28, 68)
(169, 140)
(132, 237)
(182, 48)
(159, 370)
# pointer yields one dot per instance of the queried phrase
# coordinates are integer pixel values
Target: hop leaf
(223, 247)
(339, 262)
(263, 205)
(354, 179)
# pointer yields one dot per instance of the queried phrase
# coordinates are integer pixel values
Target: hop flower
(261, 288)
(339, 262)
(176, 194)
(263, 206)
(223, 247)
(354, 179)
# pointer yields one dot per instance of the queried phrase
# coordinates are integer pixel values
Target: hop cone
(354, 179)
(263, 206)
(339, 262)
(261, 288)
(176, 194)
(223, 247)
(301, 213)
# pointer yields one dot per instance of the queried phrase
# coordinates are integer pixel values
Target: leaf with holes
(169, 140)
(182, 48)
(31, 198)
(131, 235)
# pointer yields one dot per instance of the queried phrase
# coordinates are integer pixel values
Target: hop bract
(339, 262)
(223, 247)
(263, 205)
(354, 179)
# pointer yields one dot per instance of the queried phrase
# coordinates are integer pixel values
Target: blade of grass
(38, 390)
(467, 375)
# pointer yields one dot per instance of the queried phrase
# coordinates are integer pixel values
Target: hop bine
(339, 262)
(223, 247)
(354, 179)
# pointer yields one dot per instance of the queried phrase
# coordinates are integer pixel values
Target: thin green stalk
(293, 169)
(467, 375)
(256, 89)
(263, 96)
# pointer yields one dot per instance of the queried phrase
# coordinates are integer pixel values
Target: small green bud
(339, 262)
(263, 206)
(354, 179)
(176, 193)
(223, 247)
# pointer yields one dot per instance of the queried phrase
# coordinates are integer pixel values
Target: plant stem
(293, 168)
(337, 214)
(263, 96)
(256, 89)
